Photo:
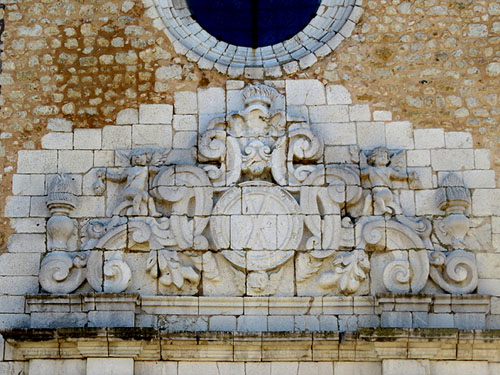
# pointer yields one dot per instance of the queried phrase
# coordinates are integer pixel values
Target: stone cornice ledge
(152, 344)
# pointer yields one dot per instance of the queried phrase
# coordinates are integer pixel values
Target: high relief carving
(262, 214)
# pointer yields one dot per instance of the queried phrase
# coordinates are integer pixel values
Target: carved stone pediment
(262, 214)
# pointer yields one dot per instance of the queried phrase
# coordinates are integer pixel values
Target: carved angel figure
(381, 170)
(135, 197)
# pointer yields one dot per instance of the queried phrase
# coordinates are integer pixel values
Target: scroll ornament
(455, 271)
(259, 199)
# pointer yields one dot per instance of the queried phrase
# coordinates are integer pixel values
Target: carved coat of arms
(261, 214)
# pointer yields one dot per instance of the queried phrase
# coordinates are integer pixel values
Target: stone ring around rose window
(333, 21)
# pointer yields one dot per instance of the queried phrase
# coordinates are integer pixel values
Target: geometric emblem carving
(256, 216)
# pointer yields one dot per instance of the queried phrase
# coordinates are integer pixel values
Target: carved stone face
(381, 159)
(140, 159)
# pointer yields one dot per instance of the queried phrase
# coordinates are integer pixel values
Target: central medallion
(256, 221)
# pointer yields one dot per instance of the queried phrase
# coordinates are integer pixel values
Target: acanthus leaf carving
(352, 269)
(168, 268)
(307, 266)
(261, 195)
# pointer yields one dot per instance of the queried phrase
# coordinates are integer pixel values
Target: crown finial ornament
(454, 198)
(61, 201)
(259, 94)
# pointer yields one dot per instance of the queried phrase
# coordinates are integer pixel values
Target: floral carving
(260, 201)
(167, 267)
(351, 269)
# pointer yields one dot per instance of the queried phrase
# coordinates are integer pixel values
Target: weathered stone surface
(110, 366)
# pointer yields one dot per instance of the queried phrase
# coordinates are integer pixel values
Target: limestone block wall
(407, 243)
(165, 211)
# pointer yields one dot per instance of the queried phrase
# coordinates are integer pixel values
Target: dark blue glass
(253, 23)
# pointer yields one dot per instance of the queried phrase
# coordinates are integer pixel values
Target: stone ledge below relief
(262, 314)
(151, 345)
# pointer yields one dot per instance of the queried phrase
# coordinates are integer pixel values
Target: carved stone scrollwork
(376, 233)
(189, 192)
(409, 270)
(117, 274)
(212, 149)
(325, 223)
(297, 160)
(455, 272)
(406, 273)
(108, 275)
(266, 211)
(63, 272)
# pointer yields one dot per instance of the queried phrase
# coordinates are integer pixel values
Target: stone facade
(173, 213)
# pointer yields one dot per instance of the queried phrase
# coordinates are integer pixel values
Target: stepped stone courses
(217, 211)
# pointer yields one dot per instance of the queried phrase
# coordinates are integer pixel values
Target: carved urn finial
(259, 95)
(61, 201)
(454, 199)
